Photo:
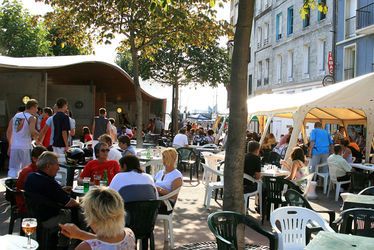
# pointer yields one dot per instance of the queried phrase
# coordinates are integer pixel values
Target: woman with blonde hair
(105, 214)
(168, 179)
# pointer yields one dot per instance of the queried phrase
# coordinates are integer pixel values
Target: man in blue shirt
(319, 147)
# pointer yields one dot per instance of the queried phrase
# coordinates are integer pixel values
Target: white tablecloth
(15, 242)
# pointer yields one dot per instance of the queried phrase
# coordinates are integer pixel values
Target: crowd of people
(36, 166)
(337, 151)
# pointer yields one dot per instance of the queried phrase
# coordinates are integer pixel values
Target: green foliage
(311, 5)
(124, 61)
(20, 33)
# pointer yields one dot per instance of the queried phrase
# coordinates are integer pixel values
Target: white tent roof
(342, 101)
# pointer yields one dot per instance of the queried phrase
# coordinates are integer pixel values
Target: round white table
(15, 242)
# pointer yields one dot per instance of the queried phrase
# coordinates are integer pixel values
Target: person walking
(22, 132)
(61, 125)
(319, 148)
(100, 126)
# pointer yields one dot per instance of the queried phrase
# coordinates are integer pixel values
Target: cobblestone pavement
(190, 218)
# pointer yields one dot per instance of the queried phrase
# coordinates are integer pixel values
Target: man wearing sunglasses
(97, 167)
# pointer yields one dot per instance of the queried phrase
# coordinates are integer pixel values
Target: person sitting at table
(132, 183)
(180, 140)
(114, 153)
(347, 152)
(98, 166)
(252, 166)
(124, 144)
(199, 138)
(168, 179)
(341, 167)
(86, 136)
(53, 199)
(298, 168)
(104, 213)
(210, 138)
(20, 184)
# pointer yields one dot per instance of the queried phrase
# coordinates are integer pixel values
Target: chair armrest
(321, 166)
(273, 237)
(165, 198)
(216, 172)
(250, 178)
(330, 213)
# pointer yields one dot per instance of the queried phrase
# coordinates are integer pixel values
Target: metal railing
(350, 27)
(365, 16)
(266, 41)
(349, 73)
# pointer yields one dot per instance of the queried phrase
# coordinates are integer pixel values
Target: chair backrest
(185, 153)
(211, 174)
(11, 191)
(290, 224)
(305, 183)
(223, 225)
(359, 181)
(294, 198)
(213, 160)
(357, 221)
(367, 191)
(275, 187)
(141, 217)
(332, 173)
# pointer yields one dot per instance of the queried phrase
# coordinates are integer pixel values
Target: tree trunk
(138, 93)
(234, 160)
(175, 107)
(235, 148)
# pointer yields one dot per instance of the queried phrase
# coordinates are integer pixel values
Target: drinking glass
(29, 227)
(97, 179)
(86, 184)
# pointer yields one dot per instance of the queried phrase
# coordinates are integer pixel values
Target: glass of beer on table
(29, 227)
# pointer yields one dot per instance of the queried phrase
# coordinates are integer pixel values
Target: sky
(192, 98)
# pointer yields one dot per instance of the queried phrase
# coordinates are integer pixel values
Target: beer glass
(29, 227)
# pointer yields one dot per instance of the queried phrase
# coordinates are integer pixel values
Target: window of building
(322, 54)
(306, 21)
(290, 20)
(321, 15)
(266, 34)
(278, 26)
(350, 18)
(306, 62)
(259, 37)
(349, 62)
(266, 74)
(279, 68)
(250, 85)
(249, 54)
(259, 74)
(290, 60)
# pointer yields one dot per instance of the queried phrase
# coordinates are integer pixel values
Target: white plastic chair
(168, 218)
(210, 183)
(253, 194)
(309, 179)
(212, 160)
(323, 175)
(293, 222)
(333, 180)
(78, 143)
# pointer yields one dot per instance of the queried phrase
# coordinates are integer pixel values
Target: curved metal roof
(78, 70)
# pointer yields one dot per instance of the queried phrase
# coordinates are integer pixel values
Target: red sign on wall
(330, 63)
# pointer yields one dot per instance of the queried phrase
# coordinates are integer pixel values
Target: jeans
(319, 159)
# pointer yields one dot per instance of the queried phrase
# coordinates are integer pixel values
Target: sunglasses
(105, 150)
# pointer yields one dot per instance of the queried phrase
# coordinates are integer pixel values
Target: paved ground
(190, 217)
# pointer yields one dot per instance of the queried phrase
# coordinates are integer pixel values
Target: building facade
(355, 38)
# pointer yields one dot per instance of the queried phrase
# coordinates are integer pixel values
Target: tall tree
(21, 34)
(143, 29)
(189, 65)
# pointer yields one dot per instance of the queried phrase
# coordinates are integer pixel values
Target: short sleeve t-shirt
(252, 164)
(134, 186)
(322, 141)
(180, 140)
(46, 186)
(61, 123)
(95, 167)
(165, 180)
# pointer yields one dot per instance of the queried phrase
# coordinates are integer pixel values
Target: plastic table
(15, 242)
(336, 241)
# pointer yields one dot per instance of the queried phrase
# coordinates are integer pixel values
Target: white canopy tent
(348, 102)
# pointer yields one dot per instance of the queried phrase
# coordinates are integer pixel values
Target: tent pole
(303, 132)
(298, 118)
(369, 134)
(266, 128)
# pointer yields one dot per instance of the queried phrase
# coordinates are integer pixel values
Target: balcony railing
(349, 73)
(266, 41)
(365, 16)
(350, 27)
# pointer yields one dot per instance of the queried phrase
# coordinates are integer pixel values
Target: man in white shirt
(341, 167)
(114, 152)
(180, 139)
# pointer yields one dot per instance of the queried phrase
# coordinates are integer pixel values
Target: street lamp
(25, 99)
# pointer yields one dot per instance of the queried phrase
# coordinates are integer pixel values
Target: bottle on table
(105, 178)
